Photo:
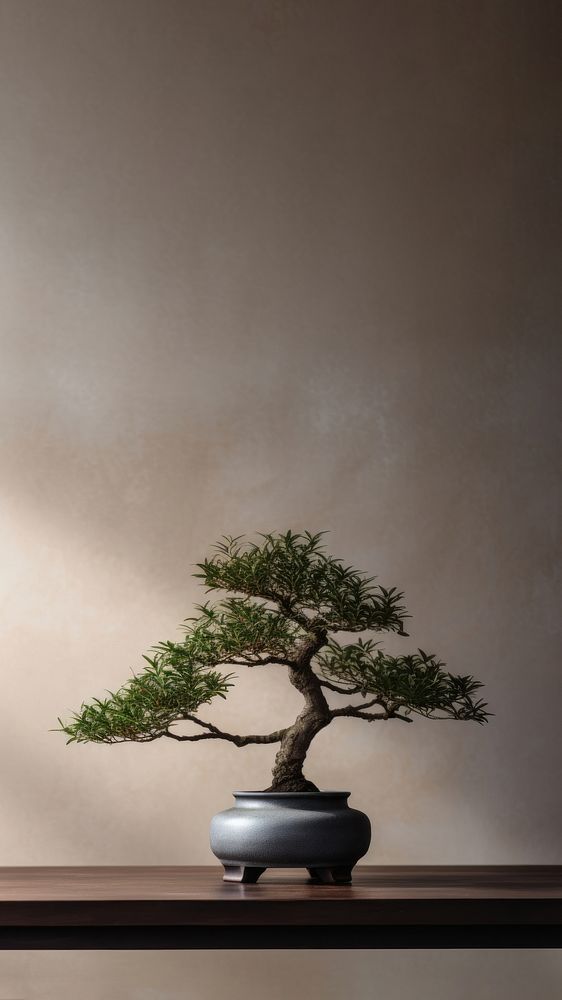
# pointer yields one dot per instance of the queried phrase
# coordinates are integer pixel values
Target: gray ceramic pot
(313, 830)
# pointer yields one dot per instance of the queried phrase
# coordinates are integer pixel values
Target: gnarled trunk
(288, 767)
(287, 771)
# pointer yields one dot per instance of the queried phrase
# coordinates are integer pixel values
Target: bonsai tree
(287, 601)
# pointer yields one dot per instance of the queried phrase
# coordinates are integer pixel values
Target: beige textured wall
(270, 264)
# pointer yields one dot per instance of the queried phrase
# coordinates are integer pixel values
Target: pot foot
(331, 876)
(241, 873)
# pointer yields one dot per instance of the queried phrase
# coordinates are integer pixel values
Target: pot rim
(291, 795)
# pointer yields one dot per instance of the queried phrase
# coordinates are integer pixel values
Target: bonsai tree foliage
(287, 600)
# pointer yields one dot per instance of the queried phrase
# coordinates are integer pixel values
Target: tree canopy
(286, 600)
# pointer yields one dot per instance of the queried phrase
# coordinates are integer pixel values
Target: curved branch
(358, 712)
(189, 739)
(214, 733)
(259, 662)
(372, 716)
(353, 709)
(340, 690)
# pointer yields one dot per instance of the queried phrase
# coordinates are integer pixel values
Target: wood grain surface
(187, 907)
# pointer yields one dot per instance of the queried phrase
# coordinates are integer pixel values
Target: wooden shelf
(192, 908)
